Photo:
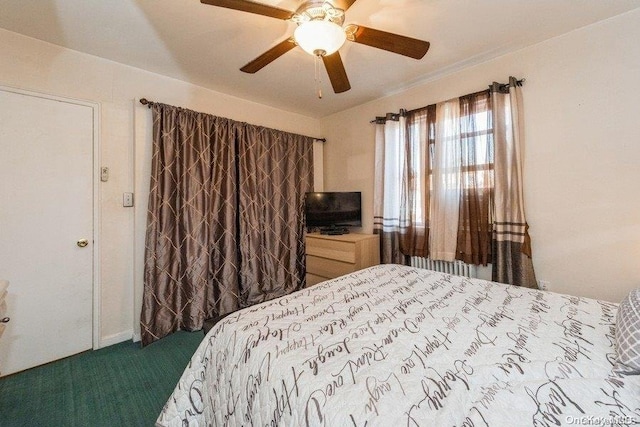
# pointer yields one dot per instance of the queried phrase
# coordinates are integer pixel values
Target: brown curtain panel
(275, 171)
(191, 260)
(416, 186)
(477, 170)
(225, 226)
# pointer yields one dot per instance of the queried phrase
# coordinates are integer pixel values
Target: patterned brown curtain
(224, 227)
(191, 263)
(477, 167)
(275, 172)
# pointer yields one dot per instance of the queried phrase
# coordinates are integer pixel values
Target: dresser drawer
(332, 249)
(327, 267)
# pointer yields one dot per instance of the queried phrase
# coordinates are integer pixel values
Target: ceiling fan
(320, 33)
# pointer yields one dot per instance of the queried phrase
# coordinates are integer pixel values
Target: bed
(396, 345)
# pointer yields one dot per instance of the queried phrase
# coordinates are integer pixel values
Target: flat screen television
(333, 209)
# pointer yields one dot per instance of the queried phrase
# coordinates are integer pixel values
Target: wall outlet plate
(127, 200)
(544, 285)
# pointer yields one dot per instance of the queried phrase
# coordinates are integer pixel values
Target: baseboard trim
(115, 338)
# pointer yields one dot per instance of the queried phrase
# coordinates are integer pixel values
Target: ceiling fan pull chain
(316, 64)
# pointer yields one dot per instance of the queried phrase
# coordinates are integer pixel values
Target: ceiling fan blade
(269, 56)
(395, 43)
(343, 4)
(337, 73)
(251, 7)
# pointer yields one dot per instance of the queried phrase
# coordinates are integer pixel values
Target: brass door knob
(82, 243)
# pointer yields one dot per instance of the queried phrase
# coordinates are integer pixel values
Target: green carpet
(121, 385)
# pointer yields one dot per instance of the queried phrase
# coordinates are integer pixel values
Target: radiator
(458, 268)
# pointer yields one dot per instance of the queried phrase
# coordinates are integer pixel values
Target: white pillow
(628, 334)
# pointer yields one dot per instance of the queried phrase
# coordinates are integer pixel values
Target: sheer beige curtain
(225, 226)
(511, 245)
(191, 260)
(275, 172)
(446, 178)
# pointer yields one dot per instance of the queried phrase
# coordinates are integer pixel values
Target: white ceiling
(207, 45)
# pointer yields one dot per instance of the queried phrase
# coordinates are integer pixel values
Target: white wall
(34, 65)
(581, 170)
(582, 151)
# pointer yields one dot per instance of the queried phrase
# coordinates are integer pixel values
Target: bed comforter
(395, 345)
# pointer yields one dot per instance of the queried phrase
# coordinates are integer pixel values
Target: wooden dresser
(332, 256)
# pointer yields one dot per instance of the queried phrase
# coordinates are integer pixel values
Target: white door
(46, 209)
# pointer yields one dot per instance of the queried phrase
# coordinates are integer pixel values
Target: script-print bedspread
(399, 346)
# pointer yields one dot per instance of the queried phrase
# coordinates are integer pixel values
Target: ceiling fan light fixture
(319, 37)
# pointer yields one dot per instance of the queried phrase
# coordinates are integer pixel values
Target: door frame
(95, 274)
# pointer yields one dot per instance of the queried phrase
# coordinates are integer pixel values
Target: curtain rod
(394, 116)
(145, 101)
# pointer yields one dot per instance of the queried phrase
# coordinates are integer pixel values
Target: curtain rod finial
(145, 101)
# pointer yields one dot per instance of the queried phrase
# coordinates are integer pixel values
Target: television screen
(333, 209)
